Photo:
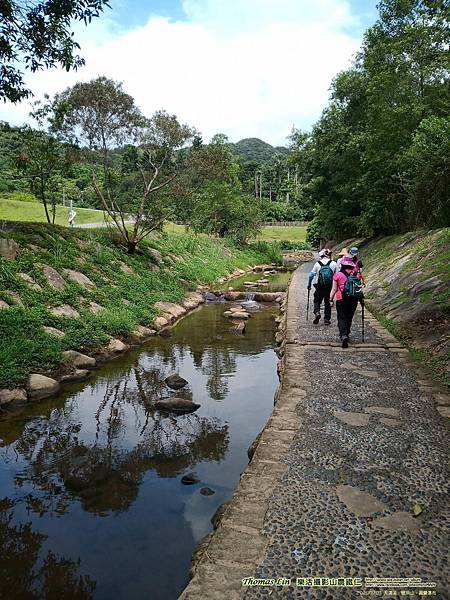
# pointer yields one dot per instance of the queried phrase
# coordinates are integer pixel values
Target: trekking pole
(307, 305)
(362, 307)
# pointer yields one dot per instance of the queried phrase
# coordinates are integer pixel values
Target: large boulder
(177, 405)
(95, 308)
(238, 315)
(79, 278)
(175, 381)
(14, 298)
(232, 296)
(193, 300)
(3, 304)
(170, 308)
(160, 322)
(141, 333)
(64, 311)
(53, 331)
(9, 396)
(9, 249)
(125, 268)
(77, 375)
(116, 346)
(30, 281)
(267, 296)
(156, 255)
(210, 297)
(40, 386)
(53, 278)
(78, 360)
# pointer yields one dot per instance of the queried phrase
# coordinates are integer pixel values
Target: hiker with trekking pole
(321, 277)
(347, 288)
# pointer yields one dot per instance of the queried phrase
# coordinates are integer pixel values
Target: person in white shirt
(72, 215)
(321, 277)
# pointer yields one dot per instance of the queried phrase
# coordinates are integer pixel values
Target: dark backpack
(325, 275)
(353, 286)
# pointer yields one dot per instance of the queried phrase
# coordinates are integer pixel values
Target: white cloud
(248, 68)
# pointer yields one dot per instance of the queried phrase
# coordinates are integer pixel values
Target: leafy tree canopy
(38, 34)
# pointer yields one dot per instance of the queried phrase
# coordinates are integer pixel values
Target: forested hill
(256, 150)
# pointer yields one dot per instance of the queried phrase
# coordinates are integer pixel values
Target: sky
(246, 68)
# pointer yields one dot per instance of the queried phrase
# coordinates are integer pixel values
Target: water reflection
(95, 476)
(105, 474)
(50, 577)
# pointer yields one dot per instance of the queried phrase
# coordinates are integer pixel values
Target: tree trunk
(44, 201)
(131, 246)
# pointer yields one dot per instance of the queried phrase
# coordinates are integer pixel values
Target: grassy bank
(33, 212)
(290, 234)
(408, 290)
(15, 210)
(125, 287)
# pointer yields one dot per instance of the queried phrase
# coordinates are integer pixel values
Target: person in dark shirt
(354, 253)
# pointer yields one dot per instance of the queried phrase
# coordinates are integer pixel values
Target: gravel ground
(371, 446)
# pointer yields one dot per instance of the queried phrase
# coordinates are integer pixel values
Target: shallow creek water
(91, 499)
(276, 283)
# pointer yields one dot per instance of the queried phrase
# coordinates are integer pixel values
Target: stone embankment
(76, 366)
(349, 478)
(407, 285)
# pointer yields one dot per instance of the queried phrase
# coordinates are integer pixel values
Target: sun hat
(354, 251)
(323, 252)
(347, 261)
(343, 252)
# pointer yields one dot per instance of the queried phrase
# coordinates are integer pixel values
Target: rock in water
(206, 491)
(176, 404)
(189, 479)
(175, 381)
(240, 327)
(249, 304)
(239, 315)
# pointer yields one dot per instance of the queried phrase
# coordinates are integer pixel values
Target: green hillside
(254, 149)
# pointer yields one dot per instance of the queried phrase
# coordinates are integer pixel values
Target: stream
(91, 499)
(275, 283)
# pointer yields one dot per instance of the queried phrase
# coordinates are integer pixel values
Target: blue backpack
(325, 275)
(353, 287)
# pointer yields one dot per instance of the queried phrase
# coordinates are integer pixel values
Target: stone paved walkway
(354, 443)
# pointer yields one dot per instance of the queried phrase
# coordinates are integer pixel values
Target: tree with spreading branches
(38, 34)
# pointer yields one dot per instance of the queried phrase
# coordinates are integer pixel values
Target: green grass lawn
(14, 210)
(291, 234)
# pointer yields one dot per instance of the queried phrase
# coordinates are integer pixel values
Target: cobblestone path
(356, 442)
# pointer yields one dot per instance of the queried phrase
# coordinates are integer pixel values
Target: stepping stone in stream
(190, 479)
(175, 381)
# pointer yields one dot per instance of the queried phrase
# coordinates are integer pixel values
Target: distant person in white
(72, 215)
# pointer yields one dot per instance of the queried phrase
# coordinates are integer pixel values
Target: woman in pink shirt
(345, 306)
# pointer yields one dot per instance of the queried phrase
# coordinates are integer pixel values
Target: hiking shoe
(345, 342)
(327, 322)
(316, 319)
